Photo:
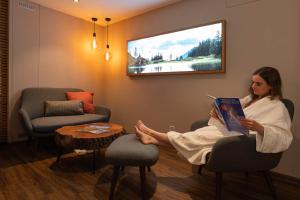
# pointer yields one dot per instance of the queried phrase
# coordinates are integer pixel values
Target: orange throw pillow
(85, 97)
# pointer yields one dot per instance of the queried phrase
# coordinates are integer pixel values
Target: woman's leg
(162, 137)
(145, 129)
(146, 139)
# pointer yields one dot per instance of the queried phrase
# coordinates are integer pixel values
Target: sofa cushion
(50, 124)
(86, 97)
(33, 99)
(61, 108)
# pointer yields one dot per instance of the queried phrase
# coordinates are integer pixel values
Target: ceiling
(117, 10)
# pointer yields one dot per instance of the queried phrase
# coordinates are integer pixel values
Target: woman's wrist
(261, 130)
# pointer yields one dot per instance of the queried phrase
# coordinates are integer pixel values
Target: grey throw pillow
(60, 108)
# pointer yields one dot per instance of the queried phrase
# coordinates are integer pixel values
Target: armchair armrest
(26, 120)
(238, 153)
(102, 110)
(198, 124)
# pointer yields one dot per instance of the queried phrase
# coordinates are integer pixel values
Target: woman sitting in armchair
(266, 117)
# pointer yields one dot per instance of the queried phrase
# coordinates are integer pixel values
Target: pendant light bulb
(107, 54)
(94, 42)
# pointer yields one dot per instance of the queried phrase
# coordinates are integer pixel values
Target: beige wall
(50, 49)
(264, 32)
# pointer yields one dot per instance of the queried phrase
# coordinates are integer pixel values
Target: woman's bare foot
(146, 130)
(145, 139)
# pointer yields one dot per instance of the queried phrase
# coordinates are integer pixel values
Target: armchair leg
(218, 185)
(268, 178)
(200, 169)
(29, 140)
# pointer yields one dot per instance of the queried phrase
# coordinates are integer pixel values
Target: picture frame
(199, 49)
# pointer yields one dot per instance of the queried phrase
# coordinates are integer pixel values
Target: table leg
(59, 153)
(94, 160)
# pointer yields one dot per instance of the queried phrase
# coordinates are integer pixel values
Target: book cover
(230, 112)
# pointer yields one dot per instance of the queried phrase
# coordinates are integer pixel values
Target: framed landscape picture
(198, 49)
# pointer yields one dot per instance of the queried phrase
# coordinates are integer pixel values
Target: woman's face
(259, 86)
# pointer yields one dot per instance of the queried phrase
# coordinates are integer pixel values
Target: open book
(230, 111)
(96, 129)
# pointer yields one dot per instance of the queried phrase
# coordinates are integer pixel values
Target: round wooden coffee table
(80, 137)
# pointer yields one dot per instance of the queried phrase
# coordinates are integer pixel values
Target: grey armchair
(240, 150)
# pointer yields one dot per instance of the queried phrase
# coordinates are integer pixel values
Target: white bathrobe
(272, 114)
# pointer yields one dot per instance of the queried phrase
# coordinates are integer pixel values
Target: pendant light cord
(94, 26)
(107, 46)
(107, 21)
(94, 19)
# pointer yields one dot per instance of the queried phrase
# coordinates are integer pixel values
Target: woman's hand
(213, 114)
(252, 125)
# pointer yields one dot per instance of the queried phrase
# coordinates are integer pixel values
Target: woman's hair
(272, 77)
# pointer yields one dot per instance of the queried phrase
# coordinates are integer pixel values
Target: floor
(27, 176)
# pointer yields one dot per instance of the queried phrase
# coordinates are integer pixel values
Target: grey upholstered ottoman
(127, 150)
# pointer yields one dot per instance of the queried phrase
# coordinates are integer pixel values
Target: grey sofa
(32, 112)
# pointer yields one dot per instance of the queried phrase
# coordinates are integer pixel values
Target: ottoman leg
(114, 180)
(143, 180)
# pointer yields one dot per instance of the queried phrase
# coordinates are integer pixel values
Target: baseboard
(285, 178)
